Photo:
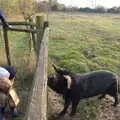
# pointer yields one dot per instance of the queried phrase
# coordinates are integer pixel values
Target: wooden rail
(5, 34)
(38, 104)
(23, 30)
(7, 49)
(21, 23)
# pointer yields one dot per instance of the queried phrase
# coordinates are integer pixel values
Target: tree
(54, 8)
(114, 10)
(42, 6)
(27, 8)
(100, 9)
(9, 6)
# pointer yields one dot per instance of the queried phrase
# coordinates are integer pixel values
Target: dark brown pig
(75, 87)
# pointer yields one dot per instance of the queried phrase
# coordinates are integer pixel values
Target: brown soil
(107, 111)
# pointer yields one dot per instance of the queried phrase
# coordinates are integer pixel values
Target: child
(9, 72)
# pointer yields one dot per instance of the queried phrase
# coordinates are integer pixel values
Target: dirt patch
(107, 111)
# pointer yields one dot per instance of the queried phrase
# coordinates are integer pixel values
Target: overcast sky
(91, 3)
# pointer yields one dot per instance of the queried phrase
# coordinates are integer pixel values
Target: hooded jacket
(3, 19)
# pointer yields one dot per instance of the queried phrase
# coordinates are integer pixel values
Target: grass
(85, 42)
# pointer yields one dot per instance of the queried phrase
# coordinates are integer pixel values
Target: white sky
(91, 3)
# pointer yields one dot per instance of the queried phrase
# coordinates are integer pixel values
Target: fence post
(33, 35)
(37, 109)
(7, 49)
(40, 28)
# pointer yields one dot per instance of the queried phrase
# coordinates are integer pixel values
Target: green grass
(82, 43)
(86, 41)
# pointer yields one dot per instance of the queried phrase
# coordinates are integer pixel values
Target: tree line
(98, 9)
(23, 7)
(29, 7)
(55, 6)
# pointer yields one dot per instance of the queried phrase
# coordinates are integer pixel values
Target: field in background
(82, 43)
(24, 60)
(85, 42)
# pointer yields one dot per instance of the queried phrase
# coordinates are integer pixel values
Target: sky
(91, 3)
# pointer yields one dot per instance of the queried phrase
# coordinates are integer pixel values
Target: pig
(74, 87)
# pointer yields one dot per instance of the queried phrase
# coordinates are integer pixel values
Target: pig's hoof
(115, 104)
(61, 114)
(101, 97)
(72, 114)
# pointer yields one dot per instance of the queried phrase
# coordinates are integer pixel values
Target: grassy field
(78, 42)
(82, 43)
(24, 60)
(85, 42)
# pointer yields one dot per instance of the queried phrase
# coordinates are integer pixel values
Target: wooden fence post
(37, 109)
(40, 28)
(33, 35)
(7, 49)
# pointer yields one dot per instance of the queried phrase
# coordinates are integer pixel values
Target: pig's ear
(55, 68)
(69, 81)
(58, 70)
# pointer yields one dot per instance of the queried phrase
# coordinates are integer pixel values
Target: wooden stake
(38, 104)
(33, 35)
(7, 49)
(40, 29)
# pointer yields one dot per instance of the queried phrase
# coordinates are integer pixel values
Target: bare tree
(26, 8)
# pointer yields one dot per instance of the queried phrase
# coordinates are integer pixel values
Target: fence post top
(41, 15)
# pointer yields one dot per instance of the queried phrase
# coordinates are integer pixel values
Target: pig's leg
(113, 91)
(115, 94)
(74, 107)
(116, 100)
(101, 96)
(66, 105)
